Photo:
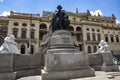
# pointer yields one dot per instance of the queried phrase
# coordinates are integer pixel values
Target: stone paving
(100, 75)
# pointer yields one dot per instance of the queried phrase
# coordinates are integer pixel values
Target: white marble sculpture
(103, 47)
(9, 46)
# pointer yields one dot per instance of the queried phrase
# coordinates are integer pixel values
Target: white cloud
(5, 13)
(117, 21)
(1, 0)
(95, 13)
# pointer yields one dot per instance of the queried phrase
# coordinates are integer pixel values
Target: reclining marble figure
(103, 47)
(9, 46)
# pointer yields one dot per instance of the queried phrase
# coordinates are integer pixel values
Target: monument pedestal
(108, 63)
(63, 60)
(58, 75)
(103, 62)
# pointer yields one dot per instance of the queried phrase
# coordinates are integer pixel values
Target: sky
(104, 7)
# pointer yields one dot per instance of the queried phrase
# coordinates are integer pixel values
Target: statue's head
(59, 7)
(12, 37)
(102, 41)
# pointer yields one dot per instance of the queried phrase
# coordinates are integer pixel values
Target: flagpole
(30, 34)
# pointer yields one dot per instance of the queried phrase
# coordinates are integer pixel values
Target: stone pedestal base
(29, 72)
(110, 68)
(67, 74)
(106, 68)
(63, 60)
(103, 62)
(8, 76)
(97, 68)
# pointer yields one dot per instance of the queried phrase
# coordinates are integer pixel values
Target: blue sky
(106, 7)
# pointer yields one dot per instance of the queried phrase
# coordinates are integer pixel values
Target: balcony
(25, 40)
(92, 42)
(43, 30)
(78, 32)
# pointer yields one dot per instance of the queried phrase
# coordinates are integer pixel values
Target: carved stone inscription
(66, 40)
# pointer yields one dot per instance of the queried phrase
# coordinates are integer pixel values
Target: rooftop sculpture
(60, 20)
(9, 46)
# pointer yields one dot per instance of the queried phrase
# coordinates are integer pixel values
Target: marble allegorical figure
(103, 47)
(9, 46)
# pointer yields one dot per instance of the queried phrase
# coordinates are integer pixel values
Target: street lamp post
(30, 34)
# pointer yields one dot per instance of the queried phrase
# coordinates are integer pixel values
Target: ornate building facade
(88, 30)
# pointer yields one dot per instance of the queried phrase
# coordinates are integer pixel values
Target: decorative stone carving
(9, 46)
(103, 47)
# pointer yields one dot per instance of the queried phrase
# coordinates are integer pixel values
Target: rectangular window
(78, 37)
(88, 37)
(32, 34)
(99, 37)
(93, 36)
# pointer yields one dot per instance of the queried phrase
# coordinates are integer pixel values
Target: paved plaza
(100, 75)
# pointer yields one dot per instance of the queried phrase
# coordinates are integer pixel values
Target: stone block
(27, 61)
(110, 68)
(28, 72)
(63, 75)
(107, 59)
(8, 76)
(95, 59)
(103, 62)
(6, 63)
(65, 61)
(61, 39)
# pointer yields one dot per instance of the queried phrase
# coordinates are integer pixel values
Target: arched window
(23, 34)
(117, 38)
(33, 25)
(32, 49)
(89, 49)
(78, 29)
(112, 38)
(87, 29)
(106, 38)
(94, 49)
(22, 49)
(15, 24)
(71, 28)
(43, 26)
(24, 24)
(15, 32)
(93, 29)
(80, 47)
